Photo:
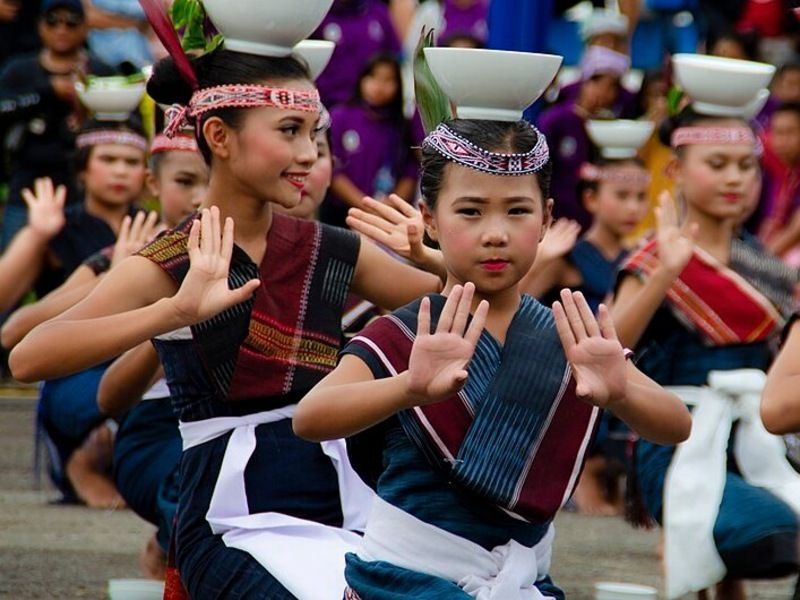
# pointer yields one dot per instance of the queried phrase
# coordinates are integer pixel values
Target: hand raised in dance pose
(134, 234)
(45, 208)
(675, 244)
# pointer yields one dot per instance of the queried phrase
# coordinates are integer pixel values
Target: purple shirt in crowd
(361, 29)
(624, 108)
(470, 20)
(569, 149)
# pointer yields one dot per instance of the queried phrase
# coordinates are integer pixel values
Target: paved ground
(49, 551)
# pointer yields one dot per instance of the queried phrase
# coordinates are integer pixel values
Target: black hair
(495, 136)
(792, 65)
(395, 107)
(132, 124)
(221, 67)
(747, 40)
(464, 38)
(688, 117)
(789, 107)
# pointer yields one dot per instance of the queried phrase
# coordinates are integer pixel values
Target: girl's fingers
(424, 318)
(124, 229)
(383, 212)
(562, 326)
(29, 198)
(381, 223)
(61, 196)
(445, 323)
(193, 243)
(607, 328)
(216, 231)
(478, 322)
(151, 224)
(245, 292)
(205, 231)
(573, 315)
(463, 309)
(136, 225)
(372, 232)
(226, 252)
(402, 206)
(589, 320)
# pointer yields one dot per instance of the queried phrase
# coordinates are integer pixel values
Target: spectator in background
(38, 107)
(743, 46)
(18, 28)
(371, 143)
(118, 32)
(772, 22)
(464, 17)
(786, 83)
(361, 29)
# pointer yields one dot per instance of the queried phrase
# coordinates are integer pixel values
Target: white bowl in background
(491, 84)
(720, 86)
(619, 138)
(135, 589)
(265, 27)
(751, 110)
(606, 590)
(111, 98)
(316, 53)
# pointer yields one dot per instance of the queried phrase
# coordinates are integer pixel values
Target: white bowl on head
(135, 589)
(111, 98)
(491, 84)
(265, 27)
(620, 138)
(720, 86)
(316, 53)
(752, 109)
(606, 590)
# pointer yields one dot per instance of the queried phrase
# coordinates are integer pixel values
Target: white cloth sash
(507, 572)
(306, 557)
(696, 477)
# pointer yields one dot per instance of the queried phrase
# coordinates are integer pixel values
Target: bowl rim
(733, 66)
(491, 52)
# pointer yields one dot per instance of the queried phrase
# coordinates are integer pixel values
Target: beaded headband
(616, 174)
(111, 136)
(460, 150)
(688, 136)
(238, 96)
(179, 143)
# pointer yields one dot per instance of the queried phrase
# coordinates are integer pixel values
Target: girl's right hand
(45, 207)
(393, 223)
(204, 292)
(559, 239)
(675, 248)
(134, 234)
(437, 367)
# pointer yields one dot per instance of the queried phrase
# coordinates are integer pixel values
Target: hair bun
(166, 85)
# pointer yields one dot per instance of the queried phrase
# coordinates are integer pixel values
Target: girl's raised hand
(559, 239)
(45, 207)
(675, 247)
(437, 368)
(204, 291)
(134, 234)
(592, 349)
(394, 223)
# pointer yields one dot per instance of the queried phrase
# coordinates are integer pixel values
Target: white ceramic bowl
(620, 138)
(751, 110)
(135, 589)
(624, 591)
(316, 53)
(720, 86)
(266, 27)
(491, 84)
(111, 98)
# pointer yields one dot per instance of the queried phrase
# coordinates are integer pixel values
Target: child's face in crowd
(62, 31)
(784, 136)
(115, 174)
(180, 184)
(317, 184)
(488, 227)
(599, 92)
(610, 40)
(618, 206)
(729, 48)
(786, 86)
(380, 87)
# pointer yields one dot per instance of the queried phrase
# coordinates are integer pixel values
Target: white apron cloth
(307, 558)
(507, 572)
(696, 476)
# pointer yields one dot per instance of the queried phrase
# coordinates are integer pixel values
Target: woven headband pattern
(460, 150)
(238, 96)
(617, 174)
(687, 136)
(111, 136)
(179, 143)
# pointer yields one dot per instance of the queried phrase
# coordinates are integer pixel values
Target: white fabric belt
(306, 557)
(507, 572)
(696, 477)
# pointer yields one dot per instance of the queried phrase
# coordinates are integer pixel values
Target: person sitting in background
(464, 17)
(118, 32)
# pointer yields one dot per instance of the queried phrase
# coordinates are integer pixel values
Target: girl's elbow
(772, 416)
(684, 426)
(23, 366)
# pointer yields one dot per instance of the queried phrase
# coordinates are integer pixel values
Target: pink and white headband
(617, 174)
(179, 143)
(598, 60)
(460, 150)
(689, 136)
(238, 96)
(111, 136)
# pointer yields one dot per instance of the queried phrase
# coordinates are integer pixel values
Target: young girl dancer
(237, 360)
(702, 309)
(477, 462)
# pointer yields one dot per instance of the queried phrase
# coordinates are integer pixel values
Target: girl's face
(599, 92)
(180, 185)
(719, 181)
(380, 87)
(115, 174)
(488, 227)
(272, 154)
(618, 206)
(317, 184)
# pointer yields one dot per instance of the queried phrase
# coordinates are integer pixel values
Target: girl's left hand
(394, 223)
(593, 350)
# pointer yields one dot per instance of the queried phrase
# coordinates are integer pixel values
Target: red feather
(162, 26)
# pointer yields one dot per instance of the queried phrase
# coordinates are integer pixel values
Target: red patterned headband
(111, 136)
(460, 150)
(179, 143)
(688, 136)
(617, 174)
(238, 96)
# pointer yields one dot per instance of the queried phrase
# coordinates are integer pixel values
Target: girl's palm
(46, 207)
(394, 223)
(675, 248)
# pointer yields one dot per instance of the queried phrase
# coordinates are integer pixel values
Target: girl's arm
(350, 400)
(780, 400)
(127, 379)
(134, 303)
(347, 191)
(604, 378)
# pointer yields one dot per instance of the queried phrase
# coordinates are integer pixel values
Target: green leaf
(179, 13)
(433, 103)
(674, 98)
